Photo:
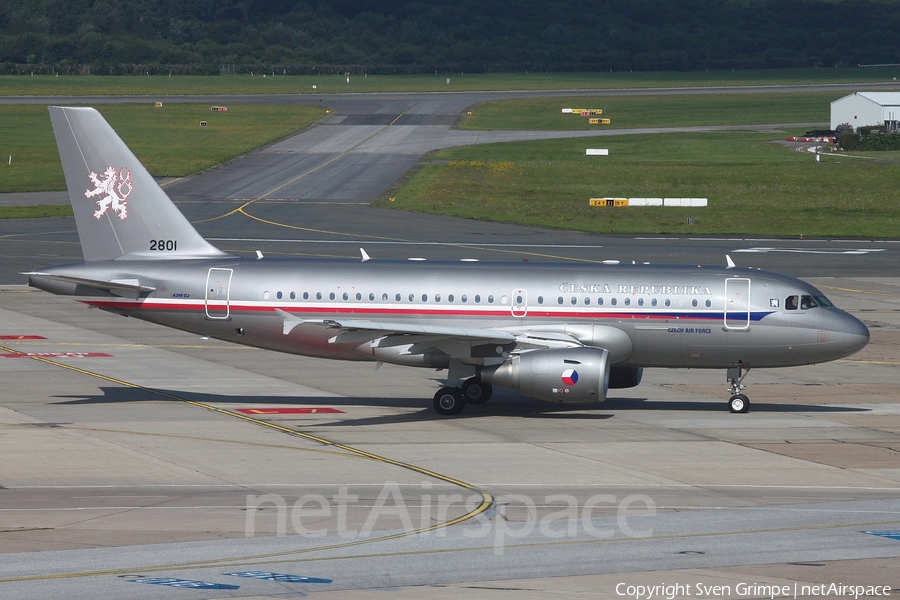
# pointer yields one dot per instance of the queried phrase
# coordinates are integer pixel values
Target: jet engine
(566, 375)
(625, 377)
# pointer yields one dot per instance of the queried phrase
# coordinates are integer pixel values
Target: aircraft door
(519, 303)
(218, 293)
(737, 303)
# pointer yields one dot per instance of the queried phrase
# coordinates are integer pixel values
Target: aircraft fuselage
(648, 316)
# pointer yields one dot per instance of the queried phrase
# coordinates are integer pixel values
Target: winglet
(729, 262)
(365, 256)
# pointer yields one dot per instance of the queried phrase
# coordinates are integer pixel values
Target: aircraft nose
(855, 333)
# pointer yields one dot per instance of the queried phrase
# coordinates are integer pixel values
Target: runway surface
(132, 455)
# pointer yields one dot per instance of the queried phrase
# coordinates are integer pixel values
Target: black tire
(449, 401)
(477, 392)
(739, 403)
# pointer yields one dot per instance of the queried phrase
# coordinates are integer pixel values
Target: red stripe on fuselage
(378, 311)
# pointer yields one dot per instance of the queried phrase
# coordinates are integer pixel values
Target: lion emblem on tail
(115, 187)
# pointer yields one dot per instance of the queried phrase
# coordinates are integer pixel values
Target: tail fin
(119, 208)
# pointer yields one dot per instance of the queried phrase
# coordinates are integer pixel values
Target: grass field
(168, 140)
(652, 111)
(35, 212)
(76, 85)
(755, 186)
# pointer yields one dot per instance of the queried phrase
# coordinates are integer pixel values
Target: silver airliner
(558, 332)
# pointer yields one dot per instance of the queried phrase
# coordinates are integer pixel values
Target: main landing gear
(738, 403)
(451, 400)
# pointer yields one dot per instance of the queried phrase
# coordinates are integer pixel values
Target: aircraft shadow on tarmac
(504, 403)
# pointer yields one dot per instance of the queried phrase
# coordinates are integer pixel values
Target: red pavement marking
(57, 355)
(288, 411)
(22, 337)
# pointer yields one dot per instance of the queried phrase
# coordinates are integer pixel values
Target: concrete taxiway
(134, 455)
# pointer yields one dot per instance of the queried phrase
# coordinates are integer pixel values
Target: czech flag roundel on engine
(570, 377)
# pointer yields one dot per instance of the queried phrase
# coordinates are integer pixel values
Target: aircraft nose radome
(856, 334)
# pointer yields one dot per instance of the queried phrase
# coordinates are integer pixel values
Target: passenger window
(490, 299)
(600, 301)
(424, 297)
(559, 300)
(477, 299)
(519, 300)
(790, 303)
(371, 297)
(807, 302)
(574, 300)
(306, 295)
(331, 296)
(397, 298)
(587, 301)
(540, 299)
(318, 295)
(640, 301)
(412, 297)
(384, 297)
(346, 296)
(627, 301)
(694, 303)
(653, 302)
(464, 298)
(613, 301)
(450, 298)
(708, 303)
(293, 296)
(668, 302)
(278, 295)
(437, 297)
(358, 296)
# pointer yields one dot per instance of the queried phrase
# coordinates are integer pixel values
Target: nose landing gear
(738, 403)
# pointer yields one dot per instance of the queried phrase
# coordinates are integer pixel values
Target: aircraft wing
(376, 329)
(456, 342)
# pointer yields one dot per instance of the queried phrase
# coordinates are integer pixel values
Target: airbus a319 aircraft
(557, 332)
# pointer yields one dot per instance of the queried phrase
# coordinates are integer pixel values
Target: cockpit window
(807, 302)
(823, 301)
(791, 302)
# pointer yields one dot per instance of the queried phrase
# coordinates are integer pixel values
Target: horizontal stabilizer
(129, 285)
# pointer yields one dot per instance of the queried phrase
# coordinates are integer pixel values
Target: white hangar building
(865, 109)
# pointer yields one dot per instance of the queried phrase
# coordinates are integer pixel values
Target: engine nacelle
(625, 377)
(566, 375)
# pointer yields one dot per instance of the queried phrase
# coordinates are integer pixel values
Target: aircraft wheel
(739, 403)
(476, 391)
(449, 401)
